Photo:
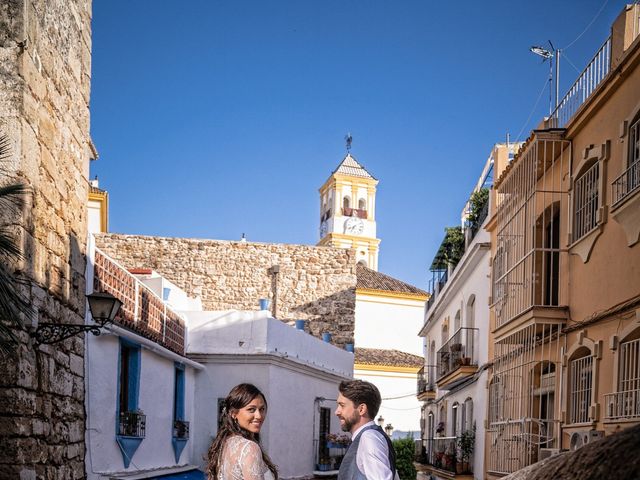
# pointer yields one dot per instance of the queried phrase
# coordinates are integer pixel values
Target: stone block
(18, 401)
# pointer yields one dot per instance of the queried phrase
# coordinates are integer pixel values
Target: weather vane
(349, 139)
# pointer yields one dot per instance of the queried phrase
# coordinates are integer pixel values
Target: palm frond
(12, 195)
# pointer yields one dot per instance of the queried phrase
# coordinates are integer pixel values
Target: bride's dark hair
(239, 397)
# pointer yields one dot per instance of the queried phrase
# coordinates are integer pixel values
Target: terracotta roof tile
(389, 358)
(372, 280)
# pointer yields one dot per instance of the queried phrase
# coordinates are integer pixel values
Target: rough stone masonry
(312, 283)
(45, 70)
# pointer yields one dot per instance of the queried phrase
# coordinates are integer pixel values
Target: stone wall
(45, 68)
(313, 283)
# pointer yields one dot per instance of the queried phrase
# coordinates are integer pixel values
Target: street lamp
(380, 421)
(388, 430)
(103, 307)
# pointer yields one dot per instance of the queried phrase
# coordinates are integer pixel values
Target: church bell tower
(347, 210)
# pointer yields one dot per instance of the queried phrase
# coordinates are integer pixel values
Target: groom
(370, 455)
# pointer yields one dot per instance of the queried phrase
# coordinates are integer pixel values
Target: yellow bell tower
(348, 210)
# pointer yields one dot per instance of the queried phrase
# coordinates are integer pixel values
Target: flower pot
(323, 467)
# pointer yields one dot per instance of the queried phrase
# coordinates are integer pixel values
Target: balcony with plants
(426, 385)
(457, 358)
(448, 457)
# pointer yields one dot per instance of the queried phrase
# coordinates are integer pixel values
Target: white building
(389, 313)
(456, 324)
(298, 374)
(139, 384)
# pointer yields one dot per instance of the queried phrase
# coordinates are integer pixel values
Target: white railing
(585, 202)
(622, 405)
(583, 87)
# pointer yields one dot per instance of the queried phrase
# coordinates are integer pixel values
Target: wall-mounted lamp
(103, 307)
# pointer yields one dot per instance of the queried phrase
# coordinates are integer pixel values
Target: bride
(235, 453)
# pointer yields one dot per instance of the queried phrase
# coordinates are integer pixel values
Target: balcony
(132, 424)
(457, 358)
(626, 184)
(442, 458)
(622, 405)
(142, 311)
(354, 212)
(426, 387)
(180, 429)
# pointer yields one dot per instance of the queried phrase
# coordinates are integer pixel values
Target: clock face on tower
(353, 226)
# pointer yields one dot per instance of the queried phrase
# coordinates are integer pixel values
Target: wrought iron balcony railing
(457, 351)
(425, 384)
(180, 429)
(132, 424)
(626, 184)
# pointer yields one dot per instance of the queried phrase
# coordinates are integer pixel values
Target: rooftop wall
(313, 283)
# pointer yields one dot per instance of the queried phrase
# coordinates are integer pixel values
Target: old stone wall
(45, 69)
(313, 283)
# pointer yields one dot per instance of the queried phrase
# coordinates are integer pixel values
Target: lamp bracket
(49, 333)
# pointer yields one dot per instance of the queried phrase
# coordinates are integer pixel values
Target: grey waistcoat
(349, 469)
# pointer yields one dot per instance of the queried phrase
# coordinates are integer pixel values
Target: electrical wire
(544, 87)
(588, 26)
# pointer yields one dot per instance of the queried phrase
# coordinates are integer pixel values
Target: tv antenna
(549, 55)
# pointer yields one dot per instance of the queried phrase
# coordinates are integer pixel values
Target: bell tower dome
(347, 210)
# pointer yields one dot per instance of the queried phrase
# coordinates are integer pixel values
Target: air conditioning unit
(583, 437)
(548, 452)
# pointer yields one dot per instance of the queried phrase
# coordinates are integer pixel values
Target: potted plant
(466, 443)
(324, 464)
(440, 428)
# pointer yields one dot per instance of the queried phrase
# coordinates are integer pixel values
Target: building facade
(452, 381)
(565, 264)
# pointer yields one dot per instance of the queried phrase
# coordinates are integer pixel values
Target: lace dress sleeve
(242, 460)
(251, 463)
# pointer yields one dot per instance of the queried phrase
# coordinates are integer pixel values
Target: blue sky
(217, 118)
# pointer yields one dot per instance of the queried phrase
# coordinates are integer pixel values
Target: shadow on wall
(334, 314)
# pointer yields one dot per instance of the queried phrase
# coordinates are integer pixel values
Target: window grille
(585, 202)
(580, 389)
(625, 403)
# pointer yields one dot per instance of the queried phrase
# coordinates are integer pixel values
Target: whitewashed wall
(404, 412)
(155, 399)
(389, 323)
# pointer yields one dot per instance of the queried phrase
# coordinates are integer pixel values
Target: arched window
(624, 404)
(445, 333)
(362, 204)
(454, 419)
(467, 423)
(456, 322)
(346, 202)
(586, 190)
(580, 385)
(471, 312)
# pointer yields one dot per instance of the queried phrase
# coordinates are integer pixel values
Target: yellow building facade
(565, 299)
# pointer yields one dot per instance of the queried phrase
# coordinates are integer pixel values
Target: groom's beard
(350, 422)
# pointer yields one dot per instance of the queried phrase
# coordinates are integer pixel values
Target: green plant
(12, 304)
(466, 443)
(451, 249)
(405, 451)
(479, 200)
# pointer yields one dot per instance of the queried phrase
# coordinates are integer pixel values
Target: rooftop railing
(583, 87)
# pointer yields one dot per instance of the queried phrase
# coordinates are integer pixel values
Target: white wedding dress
(242, 460)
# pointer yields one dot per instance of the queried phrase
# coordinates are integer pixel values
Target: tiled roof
(389, 358)
(350, 166)
(372, 280)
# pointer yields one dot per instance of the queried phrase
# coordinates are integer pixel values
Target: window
(445, 334)
(362, 204)
(180, 426)
(586, 201)
(634, 143)
(454, 419)
(129, 376)
(471, 311)
(496, 400)
(580, 376)
(456, 322)
(467, 412)
(346, 202)
(625, 403)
